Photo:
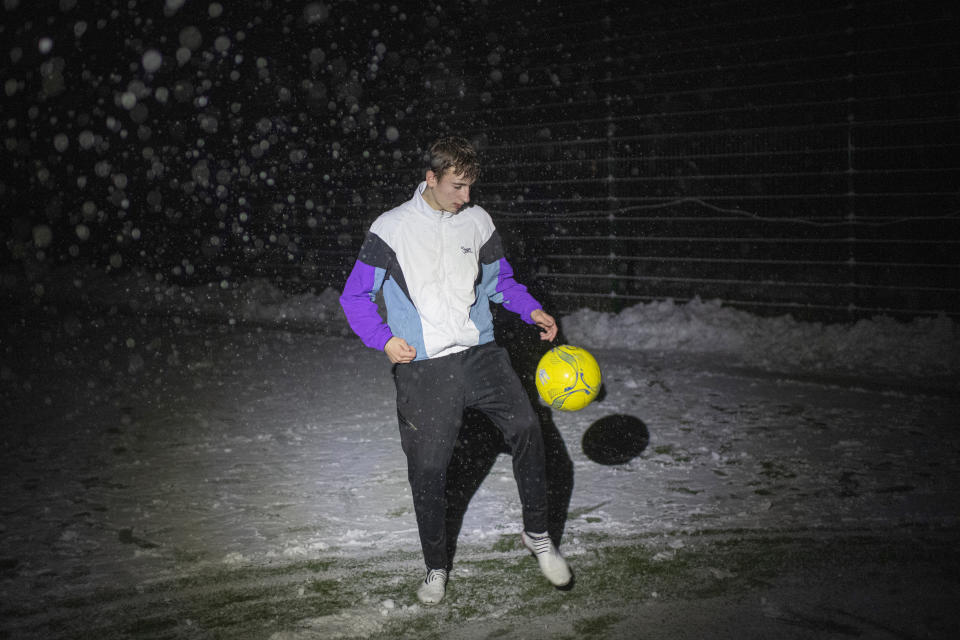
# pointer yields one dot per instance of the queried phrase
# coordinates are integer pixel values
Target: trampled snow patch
(359, 624)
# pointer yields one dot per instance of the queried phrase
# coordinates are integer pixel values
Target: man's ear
(431, 178)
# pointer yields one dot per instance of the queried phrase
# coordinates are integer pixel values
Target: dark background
(787, 157)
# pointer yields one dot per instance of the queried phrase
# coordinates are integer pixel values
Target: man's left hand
(548, 326)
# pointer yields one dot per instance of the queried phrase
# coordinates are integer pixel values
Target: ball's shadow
(615, 439)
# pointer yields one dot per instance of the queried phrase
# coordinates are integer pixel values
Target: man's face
(450, 192)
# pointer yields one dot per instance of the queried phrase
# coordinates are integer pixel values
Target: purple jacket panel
(516, 298)
(358, 302)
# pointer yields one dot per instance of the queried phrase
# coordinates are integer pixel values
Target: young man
(439, 263)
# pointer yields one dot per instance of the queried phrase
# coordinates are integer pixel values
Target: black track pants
(431, 398)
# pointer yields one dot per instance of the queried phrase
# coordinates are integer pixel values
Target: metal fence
(802, 161)
(797, 158)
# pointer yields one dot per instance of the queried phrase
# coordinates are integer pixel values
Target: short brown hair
(454, 152)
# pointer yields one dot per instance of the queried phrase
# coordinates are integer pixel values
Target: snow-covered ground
(151, 433)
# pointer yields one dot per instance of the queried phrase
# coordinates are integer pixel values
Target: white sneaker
(433, 587)
(552, 564)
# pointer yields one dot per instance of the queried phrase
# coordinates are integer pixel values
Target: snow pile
(254, 301)
(923, 346)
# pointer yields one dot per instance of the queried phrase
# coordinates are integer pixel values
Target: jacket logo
(466, 250)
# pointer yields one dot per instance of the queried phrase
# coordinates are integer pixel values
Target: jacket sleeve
(500, 284)
(359, 302)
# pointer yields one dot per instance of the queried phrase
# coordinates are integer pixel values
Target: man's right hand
(399, 351)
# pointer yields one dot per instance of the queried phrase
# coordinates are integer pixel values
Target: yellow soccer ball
(568, 378)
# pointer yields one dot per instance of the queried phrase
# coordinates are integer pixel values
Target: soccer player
(439, 262)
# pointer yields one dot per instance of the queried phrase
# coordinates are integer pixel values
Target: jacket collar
(421, 205)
